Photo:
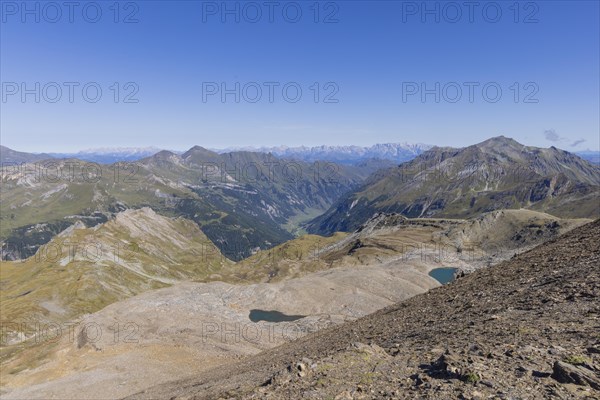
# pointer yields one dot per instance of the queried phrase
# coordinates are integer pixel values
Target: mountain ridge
(348, 154)
(243, 201)
(9, 156)
(498, 173)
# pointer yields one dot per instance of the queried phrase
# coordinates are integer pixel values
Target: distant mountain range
(393, 152)
(498, 173)
(589, 155)
(249, 200)
(396, 152)
(110, 155)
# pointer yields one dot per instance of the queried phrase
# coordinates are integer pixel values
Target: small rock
(477, 395)
(593, 350)
(448, 363)
(301, 368)
(521, 370)
(418, 380)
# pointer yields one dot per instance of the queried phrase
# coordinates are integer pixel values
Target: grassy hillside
(84, 269)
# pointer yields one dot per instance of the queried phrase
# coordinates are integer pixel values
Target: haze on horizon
(68, 150)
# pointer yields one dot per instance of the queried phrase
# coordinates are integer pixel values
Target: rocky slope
(188, 328)
(526, 328)
(459, 183)
(325, 279)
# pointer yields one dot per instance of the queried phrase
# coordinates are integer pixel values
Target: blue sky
(373, 57)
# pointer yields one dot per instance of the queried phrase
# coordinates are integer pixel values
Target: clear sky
(370, 61)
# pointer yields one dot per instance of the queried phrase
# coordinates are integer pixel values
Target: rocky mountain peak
(198, 151)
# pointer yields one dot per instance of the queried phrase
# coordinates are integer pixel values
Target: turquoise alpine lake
(443, 275)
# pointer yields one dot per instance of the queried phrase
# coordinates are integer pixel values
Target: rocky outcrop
(580, 375)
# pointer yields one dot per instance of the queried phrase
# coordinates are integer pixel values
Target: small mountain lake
(272, 316)
(443, 275)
